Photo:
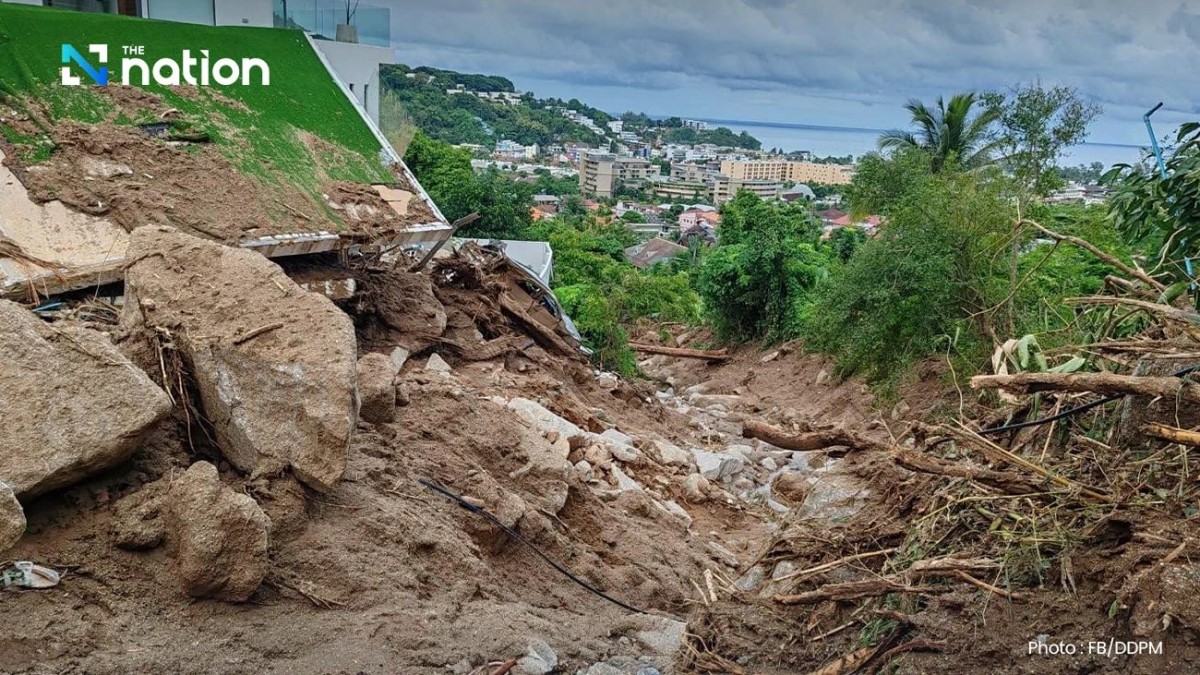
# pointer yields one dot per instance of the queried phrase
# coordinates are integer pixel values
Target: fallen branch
(544, 335)
(1103, 383)
(706, 354)
(833, 564)
(988, 587)
(1107, 258)
(996, 453)
(1010, 482)
(900, 582)
(810, 440)
(1165, 311)
(256, 332)
(1173, 434)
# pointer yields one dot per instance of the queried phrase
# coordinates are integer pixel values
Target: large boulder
(220, 536)
(73, 405)
(273, 363)
(12, 518)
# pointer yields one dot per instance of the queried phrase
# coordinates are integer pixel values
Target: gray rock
(73, 405)
(752, 579)
(377, 388)
(695, 488)
(261, 349)
(769, 463)
(722, 555)
(679, 512)
(662, 636)
(539, 659)
(584, 470)
(399, 357)
(624, 482)
(537, 416)
(671, 454)
(717, 466)
(220, 536)
(436, 364)
(12, 518)
(726, 401)
(783, 569)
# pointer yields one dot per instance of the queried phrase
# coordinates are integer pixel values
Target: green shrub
(757, 280)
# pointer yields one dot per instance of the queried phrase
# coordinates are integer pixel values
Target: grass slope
(255, 126)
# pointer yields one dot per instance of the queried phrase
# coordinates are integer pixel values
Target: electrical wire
(513, 533)
(1073, 411)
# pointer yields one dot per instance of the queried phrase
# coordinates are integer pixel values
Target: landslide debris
(274, 365)
(73, 404)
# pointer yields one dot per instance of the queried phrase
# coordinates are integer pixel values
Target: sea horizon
(835, 141)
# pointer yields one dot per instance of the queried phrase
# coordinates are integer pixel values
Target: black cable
(563, 570)
(1074, 411)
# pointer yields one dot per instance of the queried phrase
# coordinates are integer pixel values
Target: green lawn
(262, 138)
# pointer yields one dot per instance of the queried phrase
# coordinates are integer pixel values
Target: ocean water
(825, 141)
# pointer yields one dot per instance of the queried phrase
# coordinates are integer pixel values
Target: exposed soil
(118, 171)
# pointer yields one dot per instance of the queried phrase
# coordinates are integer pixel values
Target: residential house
(652, 252)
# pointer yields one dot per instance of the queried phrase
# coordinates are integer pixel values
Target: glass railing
(322, 17)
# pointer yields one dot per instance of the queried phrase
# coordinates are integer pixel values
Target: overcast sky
(830, 62)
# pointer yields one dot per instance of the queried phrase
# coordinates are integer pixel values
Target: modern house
(352, 44)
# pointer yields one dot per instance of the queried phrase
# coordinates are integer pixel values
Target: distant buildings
(600, 172)
(786, 171)
(513, 150)
(1088, 195)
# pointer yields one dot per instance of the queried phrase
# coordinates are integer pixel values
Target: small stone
(770, 357)
(678, 511)
(791, 488)
(437, 364)
(662, 636)
(597, 456)
(769, 464)
(783, 569)
(399, 357)
(722, 555)
(607, 381)
(624, 482)
(584, 470)
(539, 659)
(695, 488)
(752, 579)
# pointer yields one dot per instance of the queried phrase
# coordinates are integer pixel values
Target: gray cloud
(709, 55)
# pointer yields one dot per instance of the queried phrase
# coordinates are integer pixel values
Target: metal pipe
(1158, 156)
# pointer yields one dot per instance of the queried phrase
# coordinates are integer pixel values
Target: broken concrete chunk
(377, 388)
(437, 364)
(73, 405)
(12, 518)
(275, 366)
(221, 536)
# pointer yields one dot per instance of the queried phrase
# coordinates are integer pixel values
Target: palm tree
(946, 131)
